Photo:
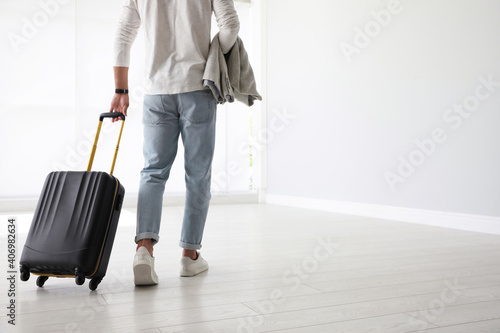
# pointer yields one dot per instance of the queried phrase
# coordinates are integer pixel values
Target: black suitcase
(75, 223)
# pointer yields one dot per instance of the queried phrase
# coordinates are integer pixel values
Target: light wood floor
(280, 269)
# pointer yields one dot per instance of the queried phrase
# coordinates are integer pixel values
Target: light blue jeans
(192, 115)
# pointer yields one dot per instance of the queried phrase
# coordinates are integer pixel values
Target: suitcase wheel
(79, 278)
(41, 280)
(94, 283)
(25, 273)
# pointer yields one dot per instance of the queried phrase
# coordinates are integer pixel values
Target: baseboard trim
(468, 222)
(130, 201)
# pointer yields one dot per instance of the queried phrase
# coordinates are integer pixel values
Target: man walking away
(177, 35)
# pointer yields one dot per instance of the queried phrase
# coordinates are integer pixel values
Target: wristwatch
(121, 91)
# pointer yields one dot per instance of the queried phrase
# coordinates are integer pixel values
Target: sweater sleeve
(228, 22)
(128, 26)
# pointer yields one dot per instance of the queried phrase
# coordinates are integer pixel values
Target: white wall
(353, 116)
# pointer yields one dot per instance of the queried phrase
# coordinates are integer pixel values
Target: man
(177, 34)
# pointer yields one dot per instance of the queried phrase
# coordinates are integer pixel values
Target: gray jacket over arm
(230, 76)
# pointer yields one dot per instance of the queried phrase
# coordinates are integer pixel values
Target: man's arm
(128, 25)
(228, 22)
(120, 102)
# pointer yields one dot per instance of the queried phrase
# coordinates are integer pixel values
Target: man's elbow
(235, 27)
(230, 27)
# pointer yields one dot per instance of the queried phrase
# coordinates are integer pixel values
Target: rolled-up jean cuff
(189, 246)
(147, 235)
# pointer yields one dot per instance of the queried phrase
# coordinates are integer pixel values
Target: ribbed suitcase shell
(74, 225)
(75, 222)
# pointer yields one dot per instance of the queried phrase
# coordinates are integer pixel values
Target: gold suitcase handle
(101, 118)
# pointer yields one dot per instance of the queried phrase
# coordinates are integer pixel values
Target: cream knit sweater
(177, 39)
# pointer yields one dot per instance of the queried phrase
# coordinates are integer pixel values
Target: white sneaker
(190, 267)
(144, 268)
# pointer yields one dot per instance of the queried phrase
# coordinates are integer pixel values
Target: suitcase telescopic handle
(101, 118)
(111, 115)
